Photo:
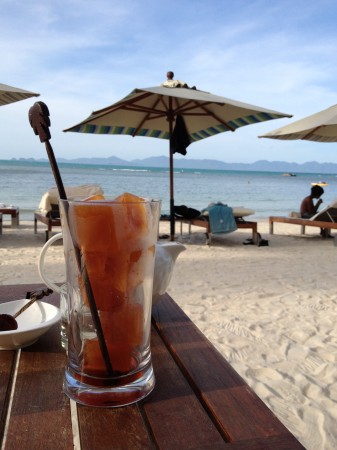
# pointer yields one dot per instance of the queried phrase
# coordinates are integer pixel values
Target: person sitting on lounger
(309, 208)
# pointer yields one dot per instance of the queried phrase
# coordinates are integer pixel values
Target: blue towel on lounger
(221, 218)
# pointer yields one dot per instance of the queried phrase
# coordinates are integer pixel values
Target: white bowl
(32, 323)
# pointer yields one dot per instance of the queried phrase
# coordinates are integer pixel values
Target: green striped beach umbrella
(181, 115)
(319, 127)
(10, 94)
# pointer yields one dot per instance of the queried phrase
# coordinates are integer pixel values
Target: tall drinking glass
(110, 252)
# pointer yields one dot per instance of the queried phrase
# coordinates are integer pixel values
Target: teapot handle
(41, 268)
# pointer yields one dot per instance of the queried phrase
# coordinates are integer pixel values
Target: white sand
(271, 311)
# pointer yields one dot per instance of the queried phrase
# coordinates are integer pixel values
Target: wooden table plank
(120, 428)
(237, 410)
(40, 411)
(40, 408)
(7, 358)
(7, 363)
(176, 417)
(271, 443)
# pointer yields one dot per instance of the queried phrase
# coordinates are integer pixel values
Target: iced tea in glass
(110, 250)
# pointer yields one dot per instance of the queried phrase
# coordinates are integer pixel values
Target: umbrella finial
(39, 120)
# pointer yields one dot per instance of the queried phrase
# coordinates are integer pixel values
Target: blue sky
(82, 55)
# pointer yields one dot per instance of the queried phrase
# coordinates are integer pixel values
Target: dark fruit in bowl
(7, 322)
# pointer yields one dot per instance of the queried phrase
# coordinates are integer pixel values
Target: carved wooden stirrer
(40, 122)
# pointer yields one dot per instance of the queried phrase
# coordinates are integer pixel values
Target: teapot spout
(173, 249)
(166, 255)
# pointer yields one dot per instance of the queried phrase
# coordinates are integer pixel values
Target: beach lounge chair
(326, 218)
(239, 214)
(328, 214)
(48, 212)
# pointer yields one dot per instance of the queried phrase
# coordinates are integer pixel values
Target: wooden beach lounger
(204, 223)
(302, 222)
(222, 224)
(48, 220)
(327, 219)
(49, 212)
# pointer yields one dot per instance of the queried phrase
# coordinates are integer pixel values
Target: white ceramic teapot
(166, 255)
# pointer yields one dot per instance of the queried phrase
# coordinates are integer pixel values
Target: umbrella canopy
(153, 112)
(319, 127)
(10, 94)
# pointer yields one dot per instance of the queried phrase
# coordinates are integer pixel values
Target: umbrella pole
(170, 118)
(172, 219)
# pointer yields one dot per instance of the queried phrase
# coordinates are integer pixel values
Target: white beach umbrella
(10, 94)
(319, 127)
(181, 115)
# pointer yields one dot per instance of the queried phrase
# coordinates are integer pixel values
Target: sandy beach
(271, 311)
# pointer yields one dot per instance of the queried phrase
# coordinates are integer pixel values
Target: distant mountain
(259, 166)
(207, 164)
(111, 161)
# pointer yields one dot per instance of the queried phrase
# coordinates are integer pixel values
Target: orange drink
(110, 249)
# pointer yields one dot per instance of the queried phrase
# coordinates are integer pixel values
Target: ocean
(22, 183)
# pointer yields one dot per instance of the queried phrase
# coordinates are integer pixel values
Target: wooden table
(199, 401)
(14, 212)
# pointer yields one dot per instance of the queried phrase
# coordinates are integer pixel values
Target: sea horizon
(162, 162)
(23, 182)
